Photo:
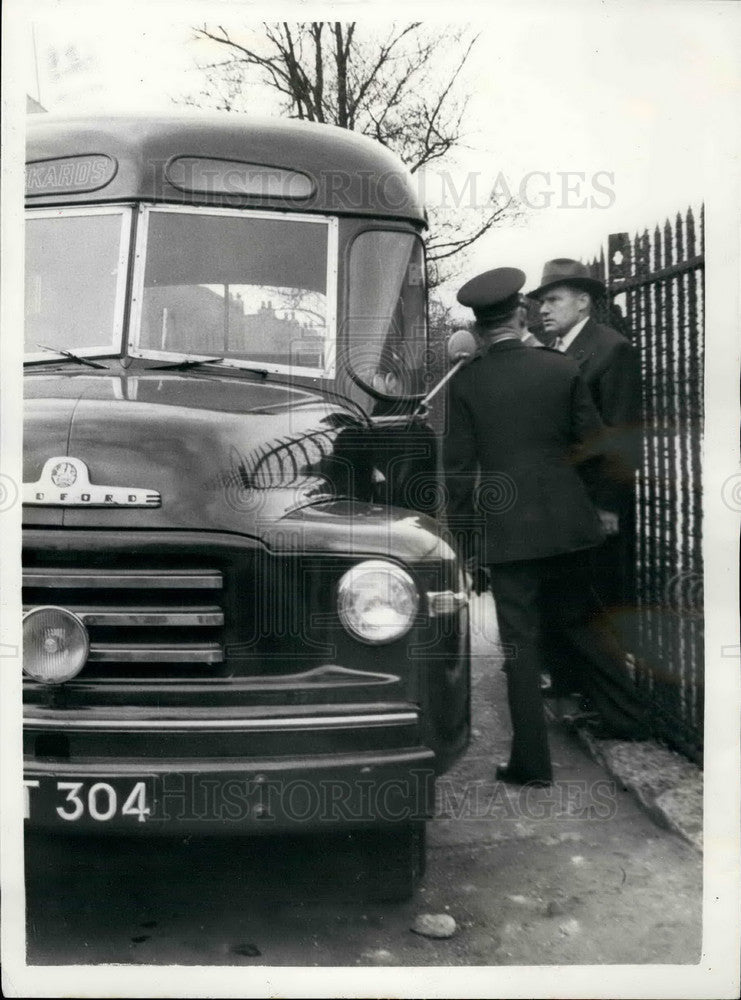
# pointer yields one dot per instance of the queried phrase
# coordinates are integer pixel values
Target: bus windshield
(245, 287)
(75, 280)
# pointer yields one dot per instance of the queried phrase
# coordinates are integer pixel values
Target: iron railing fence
(656, 297)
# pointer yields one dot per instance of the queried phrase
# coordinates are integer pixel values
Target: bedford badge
(65, 482)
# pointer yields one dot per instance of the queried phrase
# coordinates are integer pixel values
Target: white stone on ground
(434, 925)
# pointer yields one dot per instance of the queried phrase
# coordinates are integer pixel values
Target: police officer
(519, 420)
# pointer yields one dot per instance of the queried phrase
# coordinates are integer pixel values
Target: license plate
(88, 801)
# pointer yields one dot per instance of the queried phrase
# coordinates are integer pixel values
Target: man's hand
(610, 522)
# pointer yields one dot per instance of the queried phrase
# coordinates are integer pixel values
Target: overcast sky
(607, 117)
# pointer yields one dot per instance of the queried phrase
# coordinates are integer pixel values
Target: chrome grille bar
(185, 652)
(124, 579)
(146, 616)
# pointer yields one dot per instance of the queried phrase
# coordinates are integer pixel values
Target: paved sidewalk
(667, 785)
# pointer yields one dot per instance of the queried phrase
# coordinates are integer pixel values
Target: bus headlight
(55, 645)
(377, 601)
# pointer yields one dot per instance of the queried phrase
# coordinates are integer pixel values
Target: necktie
(558, 345)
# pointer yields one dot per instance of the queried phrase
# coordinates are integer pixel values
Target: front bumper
(231, 797)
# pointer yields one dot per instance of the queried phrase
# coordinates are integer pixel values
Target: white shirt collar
(568, 338)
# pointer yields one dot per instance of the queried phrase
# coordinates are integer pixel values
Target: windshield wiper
(72, 357)
(187, 363)
(195, 362)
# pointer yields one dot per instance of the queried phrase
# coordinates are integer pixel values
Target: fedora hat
(564, 271)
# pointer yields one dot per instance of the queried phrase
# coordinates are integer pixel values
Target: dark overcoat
(610, 366)
(522, 419)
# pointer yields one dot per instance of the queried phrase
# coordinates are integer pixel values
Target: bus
(241, 613)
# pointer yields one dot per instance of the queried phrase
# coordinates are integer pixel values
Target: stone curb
(666, 784)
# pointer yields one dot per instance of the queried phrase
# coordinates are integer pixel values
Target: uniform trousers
(549, 617)
(516, 587)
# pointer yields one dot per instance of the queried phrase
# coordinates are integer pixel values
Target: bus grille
(143, 623)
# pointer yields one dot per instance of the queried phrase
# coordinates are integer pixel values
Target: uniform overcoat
(523, 419)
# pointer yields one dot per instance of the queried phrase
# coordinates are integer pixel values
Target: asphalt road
(575, 874)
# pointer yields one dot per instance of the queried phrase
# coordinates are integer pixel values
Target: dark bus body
(241, 614)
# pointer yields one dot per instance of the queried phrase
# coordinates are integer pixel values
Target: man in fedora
(517, 419)
(610, 366)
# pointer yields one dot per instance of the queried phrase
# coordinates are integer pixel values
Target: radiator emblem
(65, 482)
(64, 474)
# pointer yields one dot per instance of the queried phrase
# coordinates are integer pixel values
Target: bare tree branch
(383, 57)
(402, 87)
(250, 55)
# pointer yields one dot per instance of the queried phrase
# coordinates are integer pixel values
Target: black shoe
(503, 773)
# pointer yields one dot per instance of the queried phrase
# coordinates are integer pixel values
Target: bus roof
(215, 159)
